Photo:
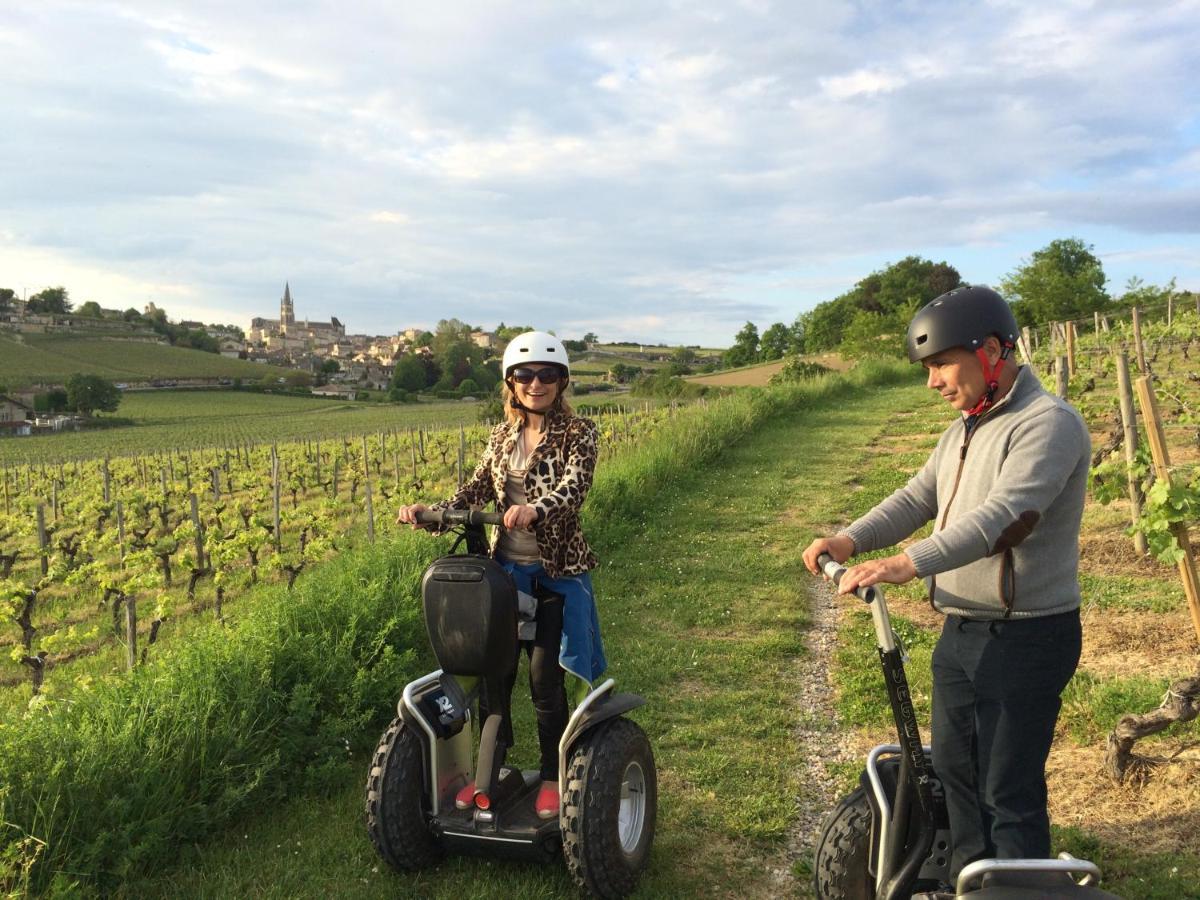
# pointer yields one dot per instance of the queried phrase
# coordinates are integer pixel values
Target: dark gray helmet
(963, 317)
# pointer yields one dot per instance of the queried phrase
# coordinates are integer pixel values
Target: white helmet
(535, 347)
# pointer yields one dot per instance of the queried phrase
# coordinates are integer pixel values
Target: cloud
(680, 168)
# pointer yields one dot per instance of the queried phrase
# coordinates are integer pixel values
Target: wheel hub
(631, 816)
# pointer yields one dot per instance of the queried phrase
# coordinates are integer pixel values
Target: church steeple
(287, 314)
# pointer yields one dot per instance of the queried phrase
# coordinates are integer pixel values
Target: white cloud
(670, 166)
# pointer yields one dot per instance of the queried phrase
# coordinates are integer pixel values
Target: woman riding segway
(537, 469)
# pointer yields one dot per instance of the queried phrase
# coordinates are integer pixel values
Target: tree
(1138, 293)
(7, 298)
(450, 332)
(91, 310)
(893, 292)
(1064, 280)
(622, 373)
(683, 355)
(51, 301)
(330, 367)
(775, 341)
(408, 374)
(874, 334)
(505, 333)
(745, 347)
(590, 338)
(796, 335)
(91, 393)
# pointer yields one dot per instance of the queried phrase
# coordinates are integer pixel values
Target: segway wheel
(397, 799)
(843, 851)
(609, 809)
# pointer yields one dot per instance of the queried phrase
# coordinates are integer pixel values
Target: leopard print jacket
(559, 475)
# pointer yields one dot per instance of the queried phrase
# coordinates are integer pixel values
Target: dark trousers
(996, 696)
(546, 687)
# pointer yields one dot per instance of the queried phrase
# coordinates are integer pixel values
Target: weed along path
(705, 609)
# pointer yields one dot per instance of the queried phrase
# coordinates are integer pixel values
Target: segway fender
(598, 706)
(606, 708)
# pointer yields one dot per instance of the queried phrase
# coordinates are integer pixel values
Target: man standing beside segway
(1005, 488)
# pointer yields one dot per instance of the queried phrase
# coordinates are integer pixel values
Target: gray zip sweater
(1007, 499)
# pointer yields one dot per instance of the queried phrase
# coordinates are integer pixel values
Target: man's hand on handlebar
(896, 569)
(520, 516)
(407, 515)
(840, 547)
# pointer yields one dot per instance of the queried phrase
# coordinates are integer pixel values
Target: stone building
(285, 333)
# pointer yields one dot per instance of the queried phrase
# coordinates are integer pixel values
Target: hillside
(27, 359)
(760, 374)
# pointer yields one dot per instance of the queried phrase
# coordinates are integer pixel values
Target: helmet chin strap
(991, 375)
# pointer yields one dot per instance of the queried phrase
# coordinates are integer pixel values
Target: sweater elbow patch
(1016, 532)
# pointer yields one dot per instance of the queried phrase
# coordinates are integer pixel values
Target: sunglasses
(548, 375)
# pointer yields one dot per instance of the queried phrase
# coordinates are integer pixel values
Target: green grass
(28, 359)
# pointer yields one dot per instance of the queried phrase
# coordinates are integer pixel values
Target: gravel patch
(819, 735)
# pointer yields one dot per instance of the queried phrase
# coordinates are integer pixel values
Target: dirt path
(820, 739)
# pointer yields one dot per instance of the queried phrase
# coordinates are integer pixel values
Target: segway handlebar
(458, 517)
(872, 596)
(834, 571)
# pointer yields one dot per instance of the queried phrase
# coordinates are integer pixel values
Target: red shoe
(465, 798)
(546, 804)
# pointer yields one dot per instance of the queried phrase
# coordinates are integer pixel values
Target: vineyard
(103, 559)
(52, 358)
(194, 420)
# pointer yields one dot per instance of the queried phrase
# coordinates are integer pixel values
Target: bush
(796, 368)
(132, 768)
(668, 387)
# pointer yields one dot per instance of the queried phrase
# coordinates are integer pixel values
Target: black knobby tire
(843, 851)
(396, 801)
(606, 852)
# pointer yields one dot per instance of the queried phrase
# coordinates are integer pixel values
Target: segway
(607, 780)
(890, 837)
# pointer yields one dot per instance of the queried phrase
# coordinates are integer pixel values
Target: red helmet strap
(991, 376)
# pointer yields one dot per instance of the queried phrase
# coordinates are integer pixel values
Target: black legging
(546, 687)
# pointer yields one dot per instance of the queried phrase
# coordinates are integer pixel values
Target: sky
(655, 172)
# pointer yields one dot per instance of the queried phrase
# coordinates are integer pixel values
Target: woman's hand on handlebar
(520, 516)
(840, 547)
(407, 515)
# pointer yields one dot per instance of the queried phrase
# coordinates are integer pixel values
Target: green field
(27, 359)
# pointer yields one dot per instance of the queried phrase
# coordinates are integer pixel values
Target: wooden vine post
(1182, 703)
(1070, 326)
(1061, 376)
(43, 540)
(1130, 440)
(1162, 471)
(130, 632)
(1137, 341)
(1023, 347)
(275, 498)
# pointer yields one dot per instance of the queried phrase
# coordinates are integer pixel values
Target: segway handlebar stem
(458, 517)
(872, 596)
